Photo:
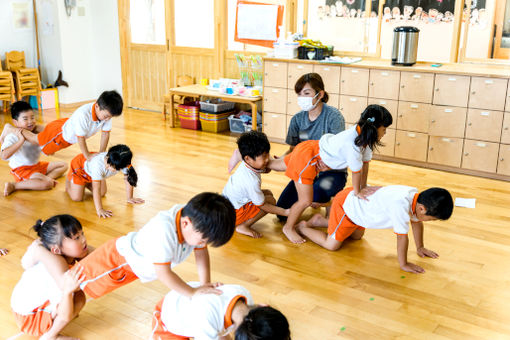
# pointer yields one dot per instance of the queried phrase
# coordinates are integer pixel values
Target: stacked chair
(27, 80)
(6, 87)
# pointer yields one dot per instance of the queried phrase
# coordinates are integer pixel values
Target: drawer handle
(402, 86)
(437, 89)
(466, 154)
(433, 121)
(385, 74)
(398, 143)
(469, 124)
(505, 128)
(400, 115)
(353, 99)
(341, 109)
(275, 91)
(501, 159)
(452, 79)
(482, 145)
(489, 81)
(412, 135)
(448, 140)
(416, 76)
(448, 110)
(473, 92)
(300, 67)
(354, 71)
(414, 106)
(343, 80)
(371, 83)
(484, 113)
(431, 149)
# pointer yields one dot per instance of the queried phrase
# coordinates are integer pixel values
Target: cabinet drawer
(389, 144)
(505, 133)
(445, 151)
(447, 121)
(504, 160)
(484, 125)
(481, 156)
(390, 105)
(292, 106)
(275, 74)
(451, 90)
(296, 71)
(351, 107)
(488, 93)
(275, 125)
(384, 84)
(354, 81)
(413, 116)
(507, 105)
(416, 87)
(411, 145)
(330, 76)
(275, 99)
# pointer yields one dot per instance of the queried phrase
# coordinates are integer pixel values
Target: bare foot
(9, 188)
(55, 183)
(242, 229)
(3, 251)
(292, 235)
(234, 159)
(302, 224)
(317, 220)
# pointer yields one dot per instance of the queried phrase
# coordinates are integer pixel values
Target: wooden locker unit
(389, 144)
(445, 151)
(354, 81)
(452, 90)
(480, 156)
(275, 74)
(295, 72)
(488, 93)
(275, 100)
(447, 121)
(351, 107)
(484, 125)
(411, 145)
(390, 105)
(330, 76)
(416, 87)
(384, 84)
(504, 160)
(413, 117)
(275, 125)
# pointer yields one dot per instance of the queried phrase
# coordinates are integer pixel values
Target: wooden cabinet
(484, 125)
(488, 93)
(351, 107)
(504, 160)
(505, 133)
(296, 71)
(384, 84)
(480, 156)
(445, 151)
(275, 100)
(507, 105)
(390, 105)
(292, 105)
(334, 100)
(447, 121)
(275, 125)
(416, 87)
(451, 90)
(330, 76)
(411, 145)
(354, 81)
(389, 144)
(413, 117)
(275, 74)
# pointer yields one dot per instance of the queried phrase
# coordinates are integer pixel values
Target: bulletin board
(257, 23)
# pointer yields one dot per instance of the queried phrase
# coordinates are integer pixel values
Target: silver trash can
(405, 45)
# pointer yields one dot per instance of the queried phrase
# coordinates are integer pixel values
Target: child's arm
(364, 176)
(418, 240)
(174, 282)
(55, 264)
(96, 194)
(129, 193)
(83, 147)
(402, 245)
(274, 209)
(11, 150)
(203, 265)
(38, 128)
(105, 137)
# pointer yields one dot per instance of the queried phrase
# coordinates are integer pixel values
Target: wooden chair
(181, 81)
(7, 91)
(27, 80)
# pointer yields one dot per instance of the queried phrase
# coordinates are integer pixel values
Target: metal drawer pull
(433, 121)
(431, 149)
(437, 89)
(448, 140)
(501, 159)
(482, 145)
(466, 154)
(398, 143)
(448, 110)
(484, 113)
(505, 128)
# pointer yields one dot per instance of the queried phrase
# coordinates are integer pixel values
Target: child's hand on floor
(134, 200)
(424, 252)
(412, 268)
(104, 213)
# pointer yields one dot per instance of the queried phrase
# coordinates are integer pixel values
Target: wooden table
(200, 90)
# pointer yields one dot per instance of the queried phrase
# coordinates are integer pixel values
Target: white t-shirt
(157, 242)
(27, 154)
(244, 186)
(339, 151)
(203, 316)
(35, 287)
(96, 167)
(388, 207)
(82, 124)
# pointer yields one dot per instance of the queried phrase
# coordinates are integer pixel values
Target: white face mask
(306, 103)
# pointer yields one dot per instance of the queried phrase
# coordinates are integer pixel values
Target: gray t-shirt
(302, 129)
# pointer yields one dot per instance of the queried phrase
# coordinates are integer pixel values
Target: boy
(166, 240)
(29, 173)
(243, 188)
(394, 207)
(83, 123)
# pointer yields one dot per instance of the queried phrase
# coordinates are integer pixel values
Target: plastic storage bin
(215, 122)
(189, 117)
(217, 107)
(316, 53)
(236, 124)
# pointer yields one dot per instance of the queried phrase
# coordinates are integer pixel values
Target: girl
(47, 296)
(351, 148)
(91, 174)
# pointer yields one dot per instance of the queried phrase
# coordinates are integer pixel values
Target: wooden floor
(358, 292)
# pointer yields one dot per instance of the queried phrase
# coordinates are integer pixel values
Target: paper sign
(465, 202)
(257, 22)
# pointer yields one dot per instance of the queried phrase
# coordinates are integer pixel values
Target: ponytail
(120, 156)
(372, 118)
(132, 176)
(52, 231)
(263, 323)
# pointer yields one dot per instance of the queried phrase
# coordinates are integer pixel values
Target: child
(350, 148)
(394, 207)
(243, 188)
(165, 241)
(47, 296)
(83, 123)
(29, 173)
(92, 173)
(216, 316)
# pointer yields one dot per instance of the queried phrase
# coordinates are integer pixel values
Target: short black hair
(373, 117)
(438, 202)
(253, 144)
(111, 101)
(213, 216)
(263, 323)
(18, 107)
(53, 231)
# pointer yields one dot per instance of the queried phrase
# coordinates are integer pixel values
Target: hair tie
(371, 119)
(129, 166)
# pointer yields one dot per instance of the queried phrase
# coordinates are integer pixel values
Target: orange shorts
(159, 331)
(339, 225)
(105, 270)
(23, 173)
(50, 139)
(77, 173)
(36, 323)
(247, 211)
(301, 162)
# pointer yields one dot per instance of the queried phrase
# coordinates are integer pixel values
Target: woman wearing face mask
(315, 119)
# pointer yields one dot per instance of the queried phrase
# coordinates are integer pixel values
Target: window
(194, 23)
(147, 20)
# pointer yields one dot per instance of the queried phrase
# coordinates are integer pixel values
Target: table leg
(253, 116)
(172, 116)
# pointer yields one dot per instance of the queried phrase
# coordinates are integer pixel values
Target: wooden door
(416, 87)
(452, 90)
(484, 125)
(481, 156)
(296, 71)
(389, 144)
(504, 160)
(330, 76)
(275, 125)
(488, 93)
(384, 84)
(447, 121)
(390, 105)
(275, 74)
(275, 99)
(413, 116)
(445, 151)
(502, 34)
(351, 107)
(505, 133)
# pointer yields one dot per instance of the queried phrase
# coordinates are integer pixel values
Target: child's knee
(63, 166)
(357, 234)
(48, 184)
(333, 246)
(75, 196)
(79, 301)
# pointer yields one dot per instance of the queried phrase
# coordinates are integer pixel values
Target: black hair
(119, 156)
(253, 144)
(111, 101)
(18, 107)
(372, 118)
(438, 202)
(213, 216)
(53, 231)
(263, 323)
(315, 82)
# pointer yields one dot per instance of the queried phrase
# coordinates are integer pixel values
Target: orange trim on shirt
(415, 200)
(358, 129)
(356, 172)
(163, 263)
(94, 116)
(178, 227)
(228, 315)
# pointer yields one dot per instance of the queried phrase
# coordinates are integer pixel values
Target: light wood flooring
(358, 292)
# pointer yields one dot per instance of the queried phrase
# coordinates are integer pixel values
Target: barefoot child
(393, 206)
(29, 173)
(211, 316)
(243, 188)
(92, 173)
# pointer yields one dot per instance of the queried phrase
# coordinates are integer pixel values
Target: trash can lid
(406, 29)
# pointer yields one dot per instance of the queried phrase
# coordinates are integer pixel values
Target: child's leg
(318, 236)
(277, 164)
(75, 191)
(60, 322)
(245, 227)
(305, 197)
(36, 182)
(56, 169)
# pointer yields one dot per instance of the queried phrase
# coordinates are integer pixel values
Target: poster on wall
(21, 19)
